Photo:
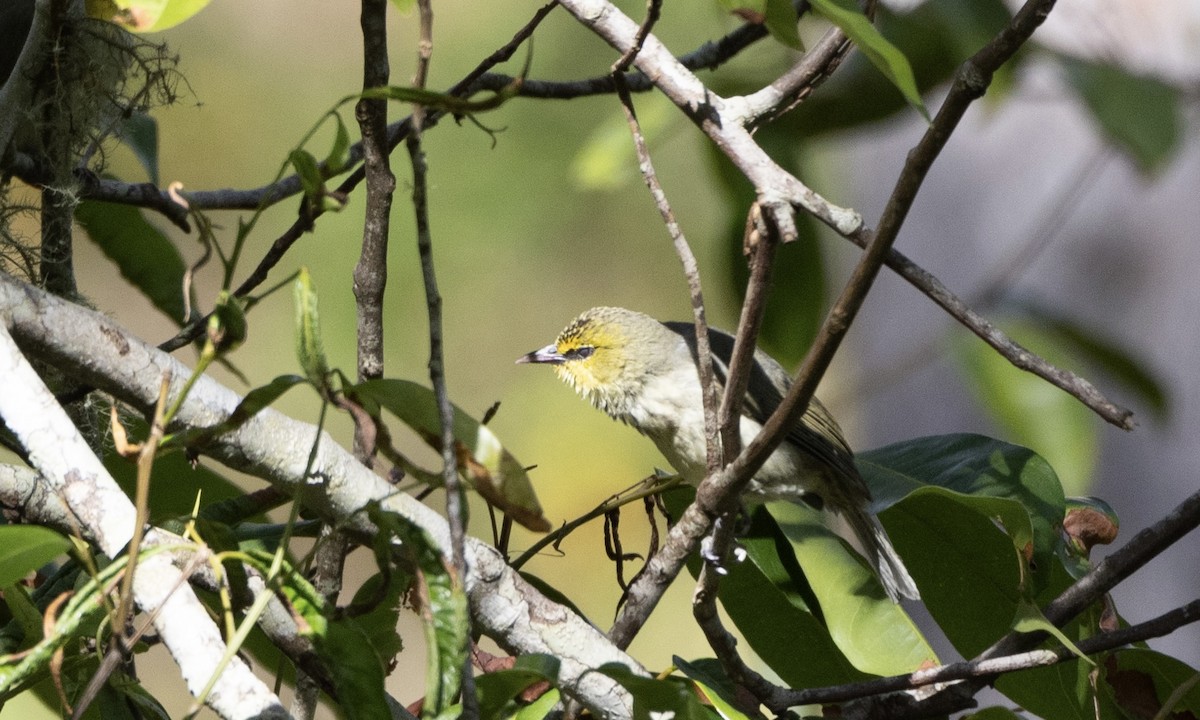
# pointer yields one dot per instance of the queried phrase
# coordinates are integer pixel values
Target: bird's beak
(548, 354)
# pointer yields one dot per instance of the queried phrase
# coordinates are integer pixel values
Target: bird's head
(608, 355)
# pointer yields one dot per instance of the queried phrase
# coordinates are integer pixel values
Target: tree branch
(990, 668)
(370, 274)
(970, 82)
(76, 475)
(503, 606)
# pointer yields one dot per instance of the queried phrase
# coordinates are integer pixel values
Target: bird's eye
(583, 352)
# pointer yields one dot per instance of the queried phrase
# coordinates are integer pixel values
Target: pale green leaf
(882, 54)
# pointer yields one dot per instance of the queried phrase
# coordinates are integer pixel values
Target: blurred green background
(547, 217)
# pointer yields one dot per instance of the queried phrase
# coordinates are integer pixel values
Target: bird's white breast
(671, 413)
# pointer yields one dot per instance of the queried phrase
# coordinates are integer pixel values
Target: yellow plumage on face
(593, 355)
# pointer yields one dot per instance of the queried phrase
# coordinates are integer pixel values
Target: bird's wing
(818, 434)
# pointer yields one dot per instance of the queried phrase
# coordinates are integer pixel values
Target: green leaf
(772, 606)
(981, 467)
(176, 481)
(607, 159)
(969, 572)
(1031, 411)
(979, 526)
(781, 23)
(27, 617)
(541, 708)
(652, 698)
(1138, 679)
(882, 54)
(382, 595)
(1062, 691)
(154, 15)
(132, 693)
(1139, 114)
(139, 132)
(339, 152)
(497, 691)
(1030, 619)
(935, 36)
(779, 17)
(713, 685)
(143, 254)
(309, 350)
(309, 173)
(254, 402)
(356, 670)
(874, 633)
(494, 473)
(445, 612)
(25, 548)
(227, 326)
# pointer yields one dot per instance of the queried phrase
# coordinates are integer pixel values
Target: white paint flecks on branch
(74, 473)
(99, 352)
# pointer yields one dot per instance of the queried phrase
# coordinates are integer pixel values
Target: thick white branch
(97, 351)
(723, 120)
(74, 474)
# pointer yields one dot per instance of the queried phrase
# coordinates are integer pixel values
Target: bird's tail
(870, 539)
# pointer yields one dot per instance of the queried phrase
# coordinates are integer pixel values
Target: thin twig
(790, 89)
(456, 510)
(683, 249)
(641, 490)
(990, 668)
(1078, 387)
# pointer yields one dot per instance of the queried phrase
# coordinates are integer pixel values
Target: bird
(644, 373)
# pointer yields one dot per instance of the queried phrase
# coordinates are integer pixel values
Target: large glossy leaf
(492, 471)
(25, 548)
(770, 602)
(144, 255)
(979, 466)
(979, 527)
(875, 634)
(1140, 114)
(1031, 411)
(967, 568)
(1059, 691)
